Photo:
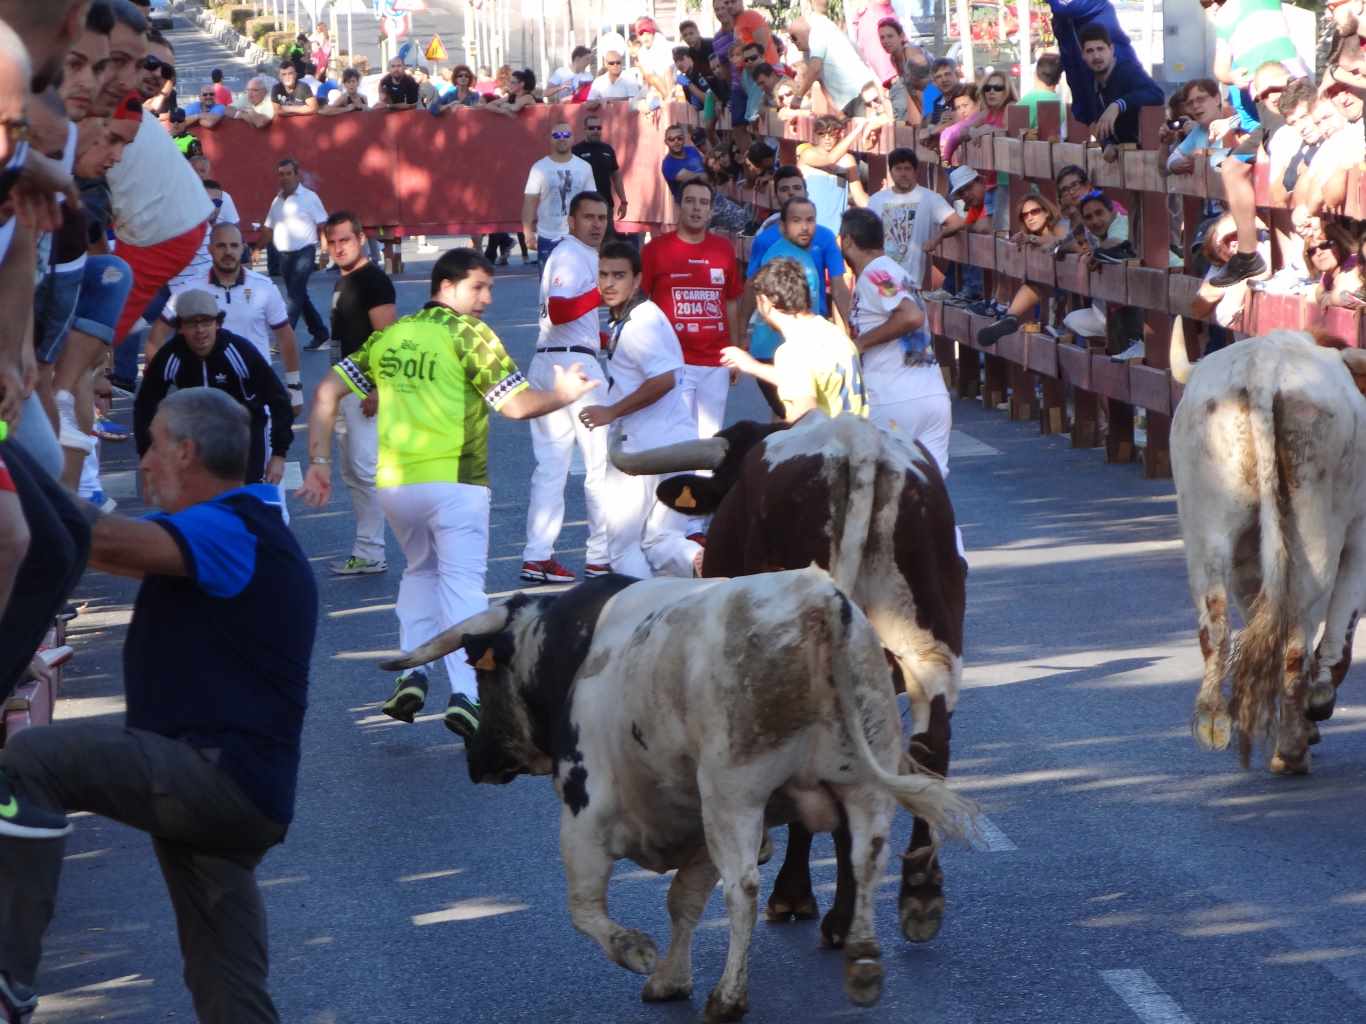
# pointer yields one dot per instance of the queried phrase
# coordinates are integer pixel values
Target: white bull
(1268, 450)
(672, 715)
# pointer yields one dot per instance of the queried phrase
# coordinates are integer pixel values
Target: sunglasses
(993, 88)
(1031, 211)
(1314, 250)
(561, 135)
(150, 63)
(592, 127)
(613, 63)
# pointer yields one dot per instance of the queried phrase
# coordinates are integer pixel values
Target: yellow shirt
(817, 359)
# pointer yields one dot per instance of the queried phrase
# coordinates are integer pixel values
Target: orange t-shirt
(746, 26)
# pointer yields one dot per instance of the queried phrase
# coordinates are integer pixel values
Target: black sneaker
(21, 819)
(989, 336)
(462, 716)
(1240, 266)
(17, 1003)
(410, 693)
(1116, 253)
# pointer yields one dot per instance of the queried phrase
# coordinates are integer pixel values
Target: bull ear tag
(685, 498)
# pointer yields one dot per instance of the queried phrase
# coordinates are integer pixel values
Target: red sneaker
(593, 570)
(547, 571)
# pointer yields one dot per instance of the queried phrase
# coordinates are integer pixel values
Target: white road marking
(965, 446)
(1141, 994)
(989, 838)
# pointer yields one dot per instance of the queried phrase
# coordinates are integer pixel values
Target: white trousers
(644, 536)
(553, 438)
(927, 420)
(359, 460)
(443, 529)
(1088, 322)
(705, 390)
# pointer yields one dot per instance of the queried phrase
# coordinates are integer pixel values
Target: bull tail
(864, 448)
(1258, 660)
(924, 794)
(1177, 357)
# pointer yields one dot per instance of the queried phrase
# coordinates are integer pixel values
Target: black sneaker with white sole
(17, 1003)
(1240, 266)
(23, 819)
(462, 716)
(410, 693)
(989, 336)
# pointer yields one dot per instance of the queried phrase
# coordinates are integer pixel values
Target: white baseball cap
(959, 179)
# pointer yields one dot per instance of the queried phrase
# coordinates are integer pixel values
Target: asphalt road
(1121, 874)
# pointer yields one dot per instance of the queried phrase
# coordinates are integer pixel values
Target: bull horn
(1178, 360)
(491, 620)
(705, 453)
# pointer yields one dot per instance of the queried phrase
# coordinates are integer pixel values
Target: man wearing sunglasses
(205, 111)
(158, 75)
(613, 83)
(554, 180)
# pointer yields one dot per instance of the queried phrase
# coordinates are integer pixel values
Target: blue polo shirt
(219, 658)
(691, 160)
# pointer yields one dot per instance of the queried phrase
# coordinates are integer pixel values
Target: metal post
(965, 36)
(1026, 46)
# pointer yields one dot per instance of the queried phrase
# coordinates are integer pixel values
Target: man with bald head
(252, 305)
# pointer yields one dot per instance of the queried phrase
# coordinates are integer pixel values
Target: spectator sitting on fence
(254, 104)
(688, 86)
(205, 111)
(906, 59)
(1218, 243)
(1270, 135)
(944, 78)
(1335, 256)
(348, 99)
(397, 90)
(521, 94)
(462, 93)
(613, 83)
(1343, 149)
(1047, 75)
(831, 170)
(682, 163)
(1124, 87)
(566, 83)
(1201, 104)
(832, 60)
(969, 188)
(1041, 228)
(291, 97)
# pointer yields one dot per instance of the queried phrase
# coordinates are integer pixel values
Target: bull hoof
(1322, 697)
(1283, 765)
(1213, 730)
(657, 990)
(635, 951)
(863, 981)
(780, 911)
(721, 1009)
(835, 927)
(1315, 737)
(921, 917)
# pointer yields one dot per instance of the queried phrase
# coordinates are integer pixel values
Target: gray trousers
(208, 838)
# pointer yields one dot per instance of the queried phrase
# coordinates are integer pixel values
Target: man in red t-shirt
(693, 277)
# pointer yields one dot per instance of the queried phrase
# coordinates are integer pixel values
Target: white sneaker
(354, 566)
(1133, 352)
(938, 295)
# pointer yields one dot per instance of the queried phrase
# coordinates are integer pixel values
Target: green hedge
(257, 27)
(238, 16)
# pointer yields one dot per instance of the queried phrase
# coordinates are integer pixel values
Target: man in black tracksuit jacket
(202, 354)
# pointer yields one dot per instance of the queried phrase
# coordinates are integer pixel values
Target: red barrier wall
(461, 172)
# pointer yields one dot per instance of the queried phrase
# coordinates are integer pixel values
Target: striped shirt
(1255, 31)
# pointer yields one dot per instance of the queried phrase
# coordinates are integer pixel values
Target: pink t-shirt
(869, 45)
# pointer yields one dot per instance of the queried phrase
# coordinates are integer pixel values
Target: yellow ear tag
(486, 661)
(685, 498)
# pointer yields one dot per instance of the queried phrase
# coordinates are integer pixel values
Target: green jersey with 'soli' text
(438, 374)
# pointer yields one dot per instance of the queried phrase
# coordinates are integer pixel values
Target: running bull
(678, 718)
(873, 510)
(1268, 450)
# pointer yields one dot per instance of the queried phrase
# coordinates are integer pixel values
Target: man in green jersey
(438, 373)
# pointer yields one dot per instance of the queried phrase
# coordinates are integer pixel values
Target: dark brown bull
(873, 511)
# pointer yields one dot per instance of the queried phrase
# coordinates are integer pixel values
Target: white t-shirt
(645, 346)
(904, 368)
(931, 210)
(252, 307)
(294, 219)
(658, 59)
(557, 182)
(155, 192)
(897, 211)
(571, 271)
(265, 107)
(568, 76)
(227, 213)
(626, 87)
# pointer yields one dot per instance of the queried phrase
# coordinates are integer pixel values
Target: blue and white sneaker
(103, 502)
(108, 430)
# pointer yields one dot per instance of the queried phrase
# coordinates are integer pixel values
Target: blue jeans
(296, 268)
(544, 247)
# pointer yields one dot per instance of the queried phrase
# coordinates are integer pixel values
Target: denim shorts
(54, 309)
(104, 290)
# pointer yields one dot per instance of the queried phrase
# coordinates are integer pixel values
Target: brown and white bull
(1268, 450)
(678, 719)
(873, 511)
